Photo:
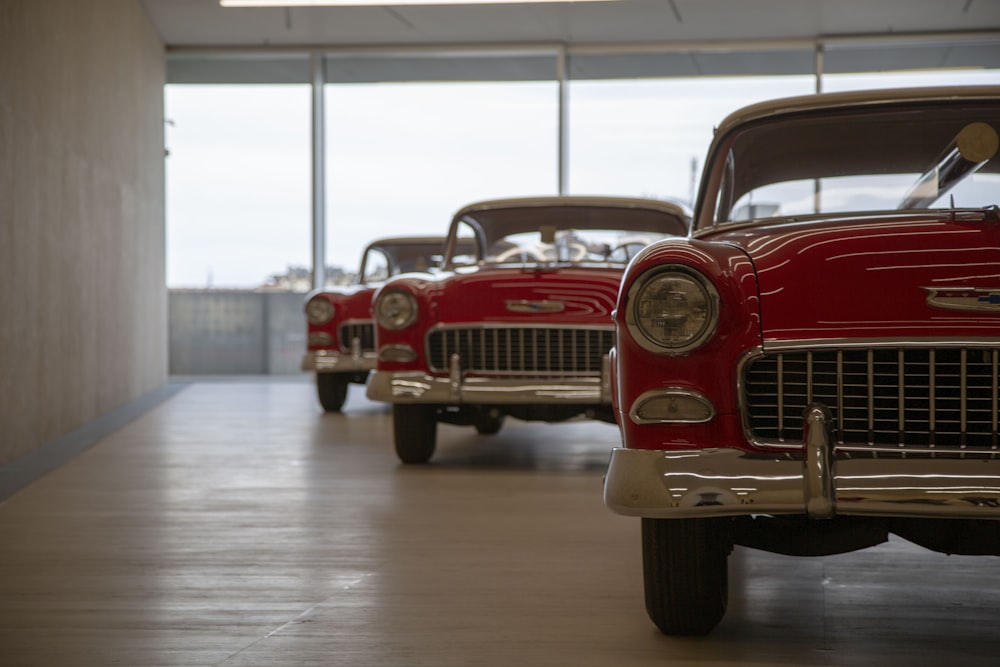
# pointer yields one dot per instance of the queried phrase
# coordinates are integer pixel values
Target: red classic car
(517, 325)
(341, 339)
(816, 366)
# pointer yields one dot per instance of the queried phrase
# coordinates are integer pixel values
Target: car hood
(357, 304)
(543, 295)
(896, 276)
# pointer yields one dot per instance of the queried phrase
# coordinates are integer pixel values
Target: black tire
(414, 431)
(488, 425)
(685, 572)
(332, 390)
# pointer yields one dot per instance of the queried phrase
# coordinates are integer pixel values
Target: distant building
(299, 279)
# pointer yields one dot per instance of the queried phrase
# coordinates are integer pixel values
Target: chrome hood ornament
(526, 306)
(963, 298)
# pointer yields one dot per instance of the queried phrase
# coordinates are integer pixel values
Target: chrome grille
(882, 399)
(365, 331)
(540, 351)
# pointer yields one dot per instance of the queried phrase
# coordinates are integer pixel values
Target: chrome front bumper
(419, 387)
(730, 482)
(323, 361)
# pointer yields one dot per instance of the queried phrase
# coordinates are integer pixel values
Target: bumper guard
(729, 482)
(457, 388)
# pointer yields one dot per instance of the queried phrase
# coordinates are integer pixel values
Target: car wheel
(685, 571)
(488, 425)
(415, 431)
(332, 390)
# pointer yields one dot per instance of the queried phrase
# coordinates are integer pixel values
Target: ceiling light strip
(386, 3)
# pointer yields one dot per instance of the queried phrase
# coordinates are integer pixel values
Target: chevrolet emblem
(963, 298)
(525, 306)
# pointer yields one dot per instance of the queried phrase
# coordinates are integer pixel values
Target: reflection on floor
(236, 524)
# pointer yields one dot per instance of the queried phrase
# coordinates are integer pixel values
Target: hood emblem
(525, 306)
(963, 298)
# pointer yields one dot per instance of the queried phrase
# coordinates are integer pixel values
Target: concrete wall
(83, 326)
(222, 332)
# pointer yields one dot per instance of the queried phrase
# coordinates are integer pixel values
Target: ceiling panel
(208, 43)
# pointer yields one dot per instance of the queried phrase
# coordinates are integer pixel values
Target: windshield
(560, 233)
(592, 245)
(901, 158)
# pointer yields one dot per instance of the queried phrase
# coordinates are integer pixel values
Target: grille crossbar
(910, 399)
(540, 351)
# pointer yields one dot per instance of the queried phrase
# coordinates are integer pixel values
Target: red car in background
(341, 339)
(816, 366)
(517, 322)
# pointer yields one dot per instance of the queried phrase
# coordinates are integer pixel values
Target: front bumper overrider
(718, 482)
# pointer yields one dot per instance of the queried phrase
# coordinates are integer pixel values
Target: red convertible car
(816, 366)
(341, 339)
(518, 324)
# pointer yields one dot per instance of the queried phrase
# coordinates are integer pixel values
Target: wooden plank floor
(235, 524)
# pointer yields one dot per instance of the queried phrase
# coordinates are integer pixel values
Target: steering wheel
(629, 249)
(577, 251)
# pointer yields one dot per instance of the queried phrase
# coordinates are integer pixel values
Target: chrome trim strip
(420, 387)
(963, 396)
(840, 389)
(932, 391)
(870, 372)
(996, 394)
(775, 346)
(732, 482)
(781, 396)
(528, 306)
(900, 396)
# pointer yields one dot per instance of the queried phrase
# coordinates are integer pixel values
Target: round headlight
(319, 310)
(672, 310)
(395, 309)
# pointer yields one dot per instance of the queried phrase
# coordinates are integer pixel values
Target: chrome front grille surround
(535, 351)
(364, 331)
(884, 400)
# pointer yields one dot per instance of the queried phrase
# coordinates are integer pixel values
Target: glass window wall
(238, 185)
(402, 158)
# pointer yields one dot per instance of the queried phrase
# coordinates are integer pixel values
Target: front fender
(709, 370)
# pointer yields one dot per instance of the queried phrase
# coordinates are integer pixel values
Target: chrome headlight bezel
(395, 309)
(706, 309)
(319, 310)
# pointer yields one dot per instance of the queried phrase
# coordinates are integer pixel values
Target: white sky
(401, 158)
